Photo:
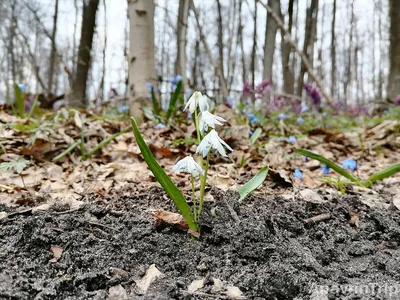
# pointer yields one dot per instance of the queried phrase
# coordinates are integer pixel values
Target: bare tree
(288, 73)
(349, 69)
(220, 41)
(142, 53)
(333, 50)
(309, 39)
(393, 89)
(254, 49)
(182, 25)
(53, 52)
(84, 53)
(270, 37)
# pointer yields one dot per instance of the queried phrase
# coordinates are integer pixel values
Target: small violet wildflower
(212, 141)
(325, 169)
(189, 165)
(159, 126)
(253, 119)
(397, 101)
(298, 174)
(350, 164)
(292, 139)
(197, 100)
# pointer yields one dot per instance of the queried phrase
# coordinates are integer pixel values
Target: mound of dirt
(259, 249)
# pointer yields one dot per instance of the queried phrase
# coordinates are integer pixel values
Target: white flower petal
(212, 141)
(189, 165)
(207, 119)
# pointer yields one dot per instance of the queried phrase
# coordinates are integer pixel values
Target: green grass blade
(328, 163)
(256, 134)
(253, 183)
(156, 107)
(67, 151)
(107, 141)
(19, 101)
(174, 99)
(387, 172)
(35, 101)
(173, 192)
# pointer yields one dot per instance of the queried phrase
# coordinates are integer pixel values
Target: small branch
(318, 218)
(304, 58)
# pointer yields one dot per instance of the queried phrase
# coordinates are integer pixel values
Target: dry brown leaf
(196, 285)
(163, 218)
(3, 215)
(354, 218)
(57, 252)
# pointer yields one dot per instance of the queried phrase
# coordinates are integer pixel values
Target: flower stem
(194, 198)
(203, 181)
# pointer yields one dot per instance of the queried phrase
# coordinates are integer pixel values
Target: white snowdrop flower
(189, 165)
(212, 141)
(197, 99)
(208, 119)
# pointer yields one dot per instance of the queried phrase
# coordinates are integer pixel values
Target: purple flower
(247, 90)
(350, 164)
(325, 169)
(282, 116)
(292, 139)
(298, 174)
(263, 88)
(314, 94)
(159, 126)
(339, 105)
(397, 101)
(229, 102)
(300, 120)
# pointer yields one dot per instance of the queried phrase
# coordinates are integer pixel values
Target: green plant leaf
(387, 172)
(253, 183)
(174, 98)
(18, 165)
(67, 151)
(173, 192)
(256, 134)
(107, 141)
(19, 101)
(329, 164)
(156, 107)
(35, 101)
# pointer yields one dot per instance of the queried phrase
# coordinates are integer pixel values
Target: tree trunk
(254, 49)
(308, 47)
(182, 25)
(349, 74)
(142, 54)
(270, 37)
(84, 53)
(53, 49)
(333, 50)
(240, 41)
(220, 39)
(393, 89)
(288, 72)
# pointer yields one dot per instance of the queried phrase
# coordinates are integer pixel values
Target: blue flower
(159, 126)
(253, 119)
(292, 139)
(304, 108)
(298, 174)
(324, 114)
(282, 116)
(149, 86)
(176, 79)
(123, 108)
(350, 164)
(250, 133)
(300, 120)
(325, 169)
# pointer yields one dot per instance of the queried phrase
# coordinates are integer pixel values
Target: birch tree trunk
(270, 37)
(393, 89)
(141, 58)
(84, 53)
(182, 25)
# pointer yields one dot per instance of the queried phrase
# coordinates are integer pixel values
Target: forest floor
(85, 229)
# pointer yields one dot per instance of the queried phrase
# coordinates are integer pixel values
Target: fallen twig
(318, 218)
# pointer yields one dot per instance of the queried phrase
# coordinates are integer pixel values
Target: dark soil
(270, 254)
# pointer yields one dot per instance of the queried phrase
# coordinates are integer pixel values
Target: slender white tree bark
(180, 65)
(141, 56)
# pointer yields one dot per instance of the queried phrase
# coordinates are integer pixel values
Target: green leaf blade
(174, 99)
(256, 134)
(156, 107)
(253, 183)
(19, 101)
(328, 163)
(173, 192)
(387, 172)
